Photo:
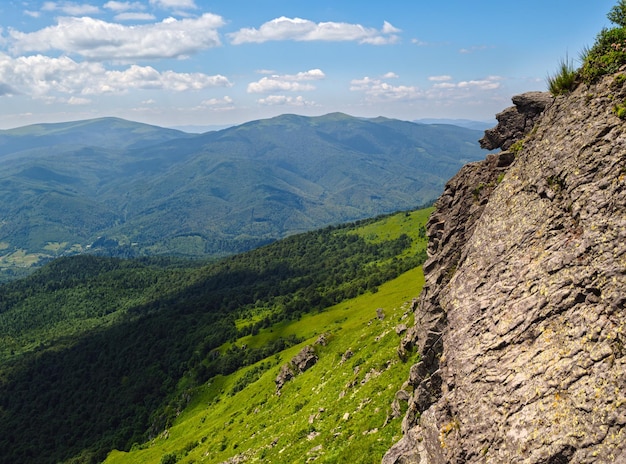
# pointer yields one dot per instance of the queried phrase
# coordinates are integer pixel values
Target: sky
(178, 63)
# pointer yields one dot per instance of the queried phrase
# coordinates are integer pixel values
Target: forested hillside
(100, 353)
(124, 189)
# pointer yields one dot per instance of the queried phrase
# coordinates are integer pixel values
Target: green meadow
(334, 412)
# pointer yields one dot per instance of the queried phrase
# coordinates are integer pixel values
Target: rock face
(522, 322)
(515, 122)
(303, 361)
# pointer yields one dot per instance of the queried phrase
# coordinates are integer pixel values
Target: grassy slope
(72, 392)
(335, 412)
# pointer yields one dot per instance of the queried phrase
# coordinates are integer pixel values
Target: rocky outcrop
(449, 228)
(522, 323)
(516, 121)
(303, 361)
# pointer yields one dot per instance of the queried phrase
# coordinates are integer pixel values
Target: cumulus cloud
(284, 100)
(217, 101)
(70, 8)
(123, 6)
(488, 83)
(174, 4)
(41, 76)
(444, 90)
(379, 90)
(78, 101)
(299, 29)
(95, 39)
(134, 16)
(287, 82)
(442, 78)
(129, 11)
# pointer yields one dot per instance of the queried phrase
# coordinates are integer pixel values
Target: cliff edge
(521, 326)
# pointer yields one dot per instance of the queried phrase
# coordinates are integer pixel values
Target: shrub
(517, 147)
(617, 15)
(606, 56)
(564, 81)
(620, 110)
(169, 458)
(618, 82)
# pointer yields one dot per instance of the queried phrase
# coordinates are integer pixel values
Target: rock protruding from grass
(303, 361)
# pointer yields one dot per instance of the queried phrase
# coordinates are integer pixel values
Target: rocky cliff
(521, 323)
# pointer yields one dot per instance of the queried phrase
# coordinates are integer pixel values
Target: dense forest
(96, 353)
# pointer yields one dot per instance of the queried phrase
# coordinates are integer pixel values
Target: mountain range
(129, 189)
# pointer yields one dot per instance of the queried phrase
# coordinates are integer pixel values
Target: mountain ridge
(211, 194)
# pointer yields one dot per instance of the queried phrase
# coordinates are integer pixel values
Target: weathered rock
(285, 374)
(401, 328)
(516, 121)
(322, 340)
(401, 397)
(521, 324)
(347, 355)
(304, 360)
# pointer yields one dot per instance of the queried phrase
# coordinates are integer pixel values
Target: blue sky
(196, 62)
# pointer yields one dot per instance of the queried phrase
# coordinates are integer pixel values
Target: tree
(617, 15)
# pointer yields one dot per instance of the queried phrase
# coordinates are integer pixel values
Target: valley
(123, 189)
(163, 359)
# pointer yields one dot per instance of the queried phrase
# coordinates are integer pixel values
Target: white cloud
(134, 16)
(378, 90)
(488, 83)
(444, 90)
(287, 82)
(78, 101)
(70, 8)
(270, 85)
(390, 75)
(442, 78)
(283, 100)
(100, 40)
(445, 85)
(389, 29)
(217, 101)
(43, 77)
(123, 6)
(299, 29)
(174, 4)
(129, 11)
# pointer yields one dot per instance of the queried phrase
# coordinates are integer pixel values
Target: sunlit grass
(335, 412)
(393, 226)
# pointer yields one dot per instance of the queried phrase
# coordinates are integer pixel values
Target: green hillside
(124, 189)
(334, 412)
(100, 354)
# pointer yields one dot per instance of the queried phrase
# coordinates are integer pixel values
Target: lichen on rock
(521, 324)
